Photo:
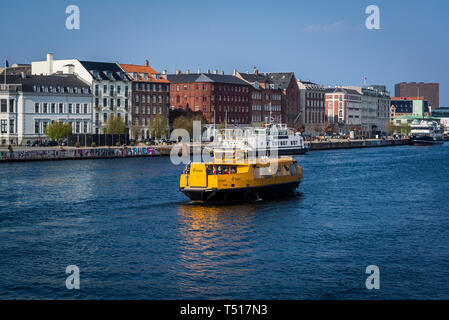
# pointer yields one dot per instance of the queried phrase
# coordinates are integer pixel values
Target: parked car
(52, 143)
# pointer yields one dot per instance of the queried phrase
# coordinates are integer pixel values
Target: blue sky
(324, 41)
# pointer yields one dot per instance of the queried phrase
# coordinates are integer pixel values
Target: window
(77, 108)
(77, 127)
(61, 108)
(105, 117)
(3, 126)
(3, 105)
(36, 107)
(105, 102)
(11, 126)
(105, 89)
(112, 104)
(11, 105)
(36, 126)
(85, 108)
(53, 108)
(45, 108)
(70, 108)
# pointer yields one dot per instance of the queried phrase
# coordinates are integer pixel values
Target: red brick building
(150, 94)
(266, 97)
(221, 98)
(290, 100)
(430, 91)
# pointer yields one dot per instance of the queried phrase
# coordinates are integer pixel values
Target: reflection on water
(214, 242)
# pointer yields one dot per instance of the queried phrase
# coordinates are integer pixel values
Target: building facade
(266, 97)
(150, 97)
(375, 109)
(290, 99)
(406, 109)
(110, 86)
(343, 107)
(312, 101)
(221, 98)
(29, 103)
(429, 91)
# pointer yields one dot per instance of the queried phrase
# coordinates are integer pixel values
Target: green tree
(158, 127)
(405, 129)
(115, 125)
(58, 130)
(391, 128)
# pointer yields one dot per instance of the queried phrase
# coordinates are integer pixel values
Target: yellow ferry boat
(232, 176)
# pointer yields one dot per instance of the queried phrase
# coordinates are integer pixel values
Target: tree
(405, 129)
(183, 122)
(158, 127)
(391, 128)
(135, 130)
(58, 130)
(115, 125)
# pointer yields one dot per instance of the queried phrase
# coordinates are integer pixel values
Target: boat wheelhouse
(425, 132)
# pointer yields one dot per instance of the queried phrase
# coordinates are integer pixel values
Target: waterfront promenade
(72, 153)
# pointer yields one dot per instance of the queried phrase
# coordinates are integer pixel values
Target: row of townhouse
(363, 109)
(87, 93)
(83, 93)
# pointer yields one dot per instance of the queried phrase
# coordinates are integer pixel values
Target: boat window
(286, 170)
(224, 170)
(293, 169)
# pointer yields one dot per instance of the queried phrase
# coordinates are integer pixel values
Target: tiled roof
(282, 79)
(63, 80)
(132, 68)
(105, 71)
(205, 77)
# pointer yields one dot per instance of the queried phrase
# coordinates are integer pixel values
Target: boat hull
(425, 142)
(240, 194)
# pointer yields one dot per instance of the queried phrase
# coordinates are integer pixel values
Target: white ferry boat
(426, 132)
(273, 138)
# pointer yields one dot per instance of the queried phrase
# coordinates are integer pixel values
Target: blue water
(134, 236)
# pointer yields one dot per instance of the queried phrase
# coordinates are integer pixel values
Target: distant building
(221, 98)
(266, 97)
(150, 96)
(406, 109)
(442, 114)
(16, 69)
(110, 85)
(312, 101)
(290, 100)
(29, 103)
(375, 107)
(429, 91)
(343, 107)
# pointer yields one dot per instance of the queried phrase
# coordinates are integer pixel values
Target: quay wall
(348, 144)
(78, 153)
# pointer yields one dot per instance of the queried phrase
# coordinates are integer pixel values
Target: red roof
(132, 68)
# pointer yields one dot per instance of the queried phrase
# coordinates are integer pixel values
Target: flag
(6, 64)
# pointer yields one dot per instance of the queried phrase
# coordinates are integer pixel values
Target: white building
(375, 105)
(28, 103)
(110, 85)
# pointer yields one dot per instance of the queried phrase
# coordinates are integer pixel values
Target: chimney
(234, 73)
(199, 70)
(256, 72)
(178, 72)
(188, 71)
(222, 73)
(50, 57)
(164, 71)
(208, 71)
(147, 63)
(215, 71)
(71, 69)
